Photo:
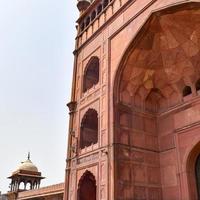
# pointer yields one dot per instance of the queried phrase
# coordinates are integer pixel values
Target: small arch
(99, 9)
(105, 3)
(28, 186)
(82, 26)
(93, 16)
(87, 21)
(91, 75)
(197, 85)
(87, 187)
(89, 129)
(22, 186)
(187, 91)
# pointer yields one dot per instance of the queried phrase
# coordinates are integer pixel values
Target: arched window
(187, 91)
(28, 186)
(89, 129)
(82, 26)
(87, 187)
(197, 85)
(99, 9)
(87, 21)
(93, 15)
(91, 75)
(105, 3)
(22, 186)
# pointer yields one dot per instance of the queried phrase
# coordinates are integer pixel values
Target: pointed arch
(89, 129)
(91, 74)
(87, 187)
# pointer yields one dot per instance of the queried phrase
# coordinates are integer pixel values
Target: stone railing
(97, 14)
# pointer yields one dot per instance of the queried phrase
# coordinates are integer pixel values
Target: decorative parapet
(44, 191)
(95, 16)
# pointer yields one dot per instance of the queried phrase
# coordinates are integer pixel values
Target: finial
(29, 155)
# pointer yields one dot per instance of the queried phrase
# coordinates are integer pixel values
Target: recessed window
(91, 75)
(187, 91)
(87, 21)
(89, 129)
(93, 15)
(105, 3)
(99, 9)
(82, 26)
(197, 85)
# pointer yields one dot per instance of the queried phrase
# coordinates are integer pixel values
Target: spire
(29, 155)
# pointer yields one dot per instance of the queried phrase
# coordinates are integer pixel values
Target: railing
(93, 18)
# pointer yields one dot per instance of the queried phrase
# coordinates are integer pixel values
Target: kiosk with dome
(25, 177)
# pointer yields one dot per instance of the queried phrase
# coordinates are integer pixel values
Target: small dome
(27, 165)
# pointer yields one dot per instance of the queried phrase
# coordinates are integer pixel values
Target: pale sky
(36, 62)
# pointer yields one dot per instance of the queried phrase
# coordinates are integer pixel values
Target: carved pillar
(25, 183)
(72, 109)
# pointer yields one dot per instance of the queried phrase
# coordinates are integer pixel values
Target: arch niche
(193, 172)
(89, 129)
(161, 60)
(87, 187)
(91, 74)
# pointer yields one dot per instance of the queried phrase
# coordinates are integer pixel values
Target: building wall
(52, 192)
(3, 197)
(156, 169)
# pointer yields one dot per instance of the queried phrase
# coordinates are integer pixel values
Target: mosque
(134, 128)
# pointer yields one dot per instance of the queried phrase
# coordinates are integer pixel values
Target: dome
(27, 165)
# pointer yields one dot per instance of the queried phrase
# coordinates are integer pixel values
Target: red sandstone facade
(135, 111)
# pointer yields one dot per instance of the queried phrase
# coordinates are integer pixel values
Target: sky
(36, 63)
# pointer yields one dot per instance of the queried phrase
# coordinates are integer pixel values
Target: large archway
(87, 187)
(158, 71)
